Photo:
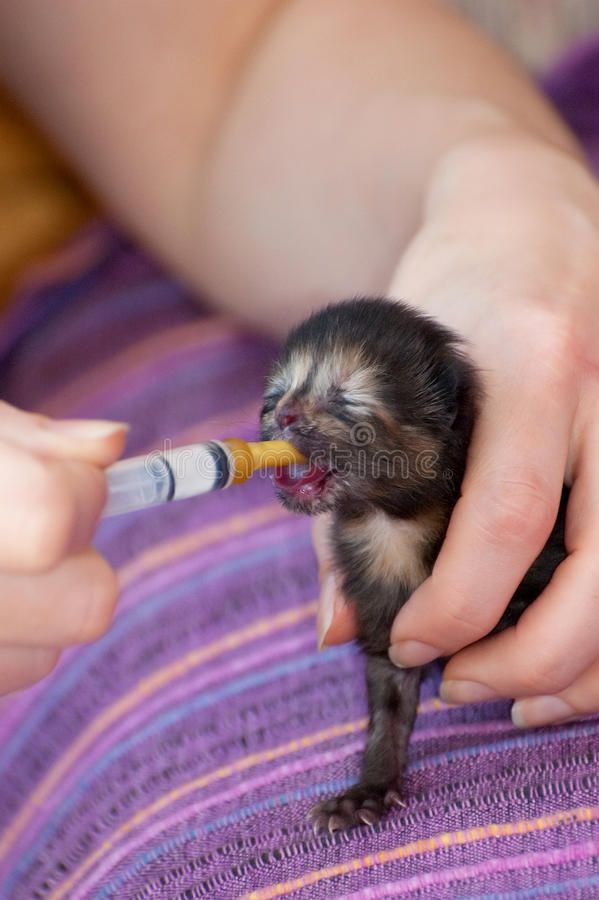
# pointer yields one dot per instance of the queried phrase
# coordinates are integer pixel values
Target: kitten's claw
(337, 823)
(393, 798)
(368, 817)
(320, 823)
(359, 806)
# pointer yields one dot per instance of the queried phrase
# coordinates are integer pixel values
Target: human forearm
(319, 200)
(276, 154)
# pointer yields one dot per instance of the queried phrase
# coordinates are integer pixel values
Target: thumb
(94, 441)
(335, 619)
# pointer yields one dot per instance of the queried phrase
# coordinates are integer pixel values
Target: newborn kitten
(382, 400)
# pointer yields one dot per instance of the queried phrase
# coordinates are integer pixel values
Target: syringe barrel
(136, 483)
(156, 478)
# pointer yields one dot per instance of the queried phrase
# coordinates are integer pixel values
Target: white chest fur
(395, 548)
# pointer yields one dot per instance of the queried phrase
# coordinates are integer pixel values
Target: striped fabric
(176, 757)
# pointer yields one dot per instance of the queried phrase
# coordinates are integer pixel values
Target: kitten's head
(380, 400)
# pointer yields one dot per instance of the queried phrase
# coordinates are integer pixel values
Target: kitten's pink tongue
(307, 480)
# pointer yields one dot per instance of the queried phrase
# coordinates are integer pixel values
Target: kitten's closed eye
(342, 407)
(269, 405)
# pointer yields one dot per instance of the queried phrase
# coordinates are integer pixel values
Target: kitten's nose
(287, 415)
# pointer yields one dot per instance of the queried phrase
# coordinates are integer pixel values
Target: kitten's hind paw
(360, 805)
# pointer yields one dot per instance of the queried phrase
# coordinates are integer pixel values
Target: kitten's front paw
(362, 804)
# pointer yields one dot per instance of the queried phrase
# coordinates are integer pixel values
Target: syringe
(158, 478)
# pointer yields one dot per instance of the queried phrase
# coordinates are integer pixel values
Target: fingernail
(87, 429)
(465, 692)
(536, 711)
(326, 608)
(412, 653)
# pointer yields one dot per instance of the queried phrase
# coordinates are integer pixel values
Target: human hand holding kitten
(508, 255)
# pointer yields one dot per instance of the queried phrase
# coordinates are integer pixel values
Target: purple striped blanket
(177, 756)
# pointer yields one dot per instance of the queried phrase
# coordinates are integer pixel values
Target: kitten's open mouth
(306, 481)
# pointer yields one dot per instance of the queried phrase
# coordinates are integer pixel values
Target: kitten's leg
(392, 705)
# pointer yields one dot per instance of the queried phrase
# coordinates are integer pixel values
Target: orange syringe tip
(248, 456)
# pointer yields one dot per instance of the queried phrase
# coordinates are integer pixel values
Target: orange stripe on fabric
(241, 765)
(435, 704)
(425, 846)
(180, 337)
(167, 551)
(143, 688)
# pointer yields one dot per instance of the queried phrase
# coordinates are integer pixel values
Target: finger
(88, 440)
(335, 619)
(23, 666)
(49, 509)
(556, 639)
(581, 698)
(510, 499)
(321, 531)
(72, 604)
